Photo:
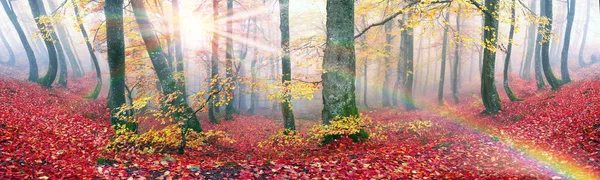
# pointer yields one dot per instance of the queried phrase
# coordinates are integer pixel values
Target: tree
(168, 83)
(115, 43)
(455, 72)
(339, 63)
(177, 39)
(50, 76)
(552, 80)
(229, 109)
(387, 70)
(284, 26)
(33, 69)
(11, 54)
(539, 75)
(62, 34)
(564, 58)
(531, 45)
(489, 94)
(62, 77)
(94, 94)
(443, 66)
(511, 34)
(214, 62)
(408, 54)
(584, 37)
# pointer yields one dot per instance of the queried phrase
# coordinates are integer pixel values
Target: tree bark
(443, 66)
(489, 94)
(115, 43)
(50, 76)
(62, 33)
(62, 76)
(455, 72)
(284, 26)
(168, 83)
(511, 34)
(584, 38)
(552, 80)
(531, 45)
(408, 41)
(11, 54)
(229, 109)
(564, 58)
(94, 94)
(339, 63)
(385, 89)
(214, 63)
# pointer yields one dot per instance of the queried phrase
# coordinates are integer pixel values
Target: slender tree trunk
(489, 94)
(428, 65)
(33, 69)
(168, 83)
(11, 54)
(455, 72)
(511, 34)
(62, 33)
(564, 62)
(62, 76)
(229, 109)
(115, 43)
(284, 26)
(339, 62)
(254, 73)
(50, 76)
(241, 71)
(94, 94)
(584, 38)
(77, 59)
(408, 41)
(214, 63)
(539, 75)
(531, 46)
(385, 89)
(443, 66)
(523, 54)
(552, 80)
(366, 82)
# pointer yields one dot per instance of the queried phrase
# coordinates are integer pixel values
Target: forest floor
(549, 135)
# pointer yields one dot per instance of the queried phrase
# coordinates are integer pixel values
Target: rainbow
(559, 164)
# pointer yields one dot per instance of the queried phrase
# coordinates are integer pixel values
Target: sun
(194, 28)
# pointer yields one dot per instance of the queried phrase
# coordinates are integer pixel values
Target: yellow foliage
(164, 140)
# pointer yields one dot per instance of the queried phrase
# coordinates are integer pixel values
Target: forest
(299, 89)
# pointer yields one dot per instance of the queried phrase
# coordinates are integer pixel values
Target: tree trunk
(339, 62)
(229, 109)
(284, 26)
(564, 61)
(50, 76)
(62, 76)
(168, 83)
(443, 66)
(214, 63)
(115, 43)
(455, 72)
(584, 38)
(489, 94)
(10, 13)
(94, 94)
(385, 89)
(11, 54)
(552, 80)
(531, 45)
(62, 33)
(511, 34)
(408, 42)
(429, 46)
